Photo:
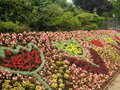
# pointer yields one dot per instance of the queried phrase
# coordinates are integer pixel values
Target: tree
(41, 3)
(68, 7)
(116, 9)
(98, 6)
(18, 11)
(67, 22)
(90, 21)
(49, 14)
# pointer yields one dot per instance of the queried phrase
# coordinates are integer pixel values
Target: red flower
(97, 43)
(25, 61)
(8, 52)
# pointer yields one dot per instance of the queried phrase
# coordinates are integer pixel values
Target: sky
(69, 0)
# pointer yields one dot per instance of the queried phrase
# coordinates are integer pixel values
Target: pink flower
(15, 78)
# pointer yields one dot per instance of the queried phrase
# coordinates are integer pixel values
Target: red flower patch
(97, 43)
(116, 37)
(24, 61)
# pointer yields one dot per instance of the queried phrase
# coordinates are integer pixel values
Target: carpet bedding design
(75, 60)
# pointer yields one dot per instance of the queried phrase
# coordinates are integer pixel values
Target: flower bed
(75, 60)
(26, 61)
(71, 47)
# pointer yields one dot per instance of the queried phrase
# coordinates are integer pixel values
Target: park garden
(58, 45)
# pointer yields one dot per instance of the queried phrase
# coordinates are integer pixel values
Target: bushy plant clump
(12, 27)
(90, 21)
(61, 75)
(71, 46)
(17, 85)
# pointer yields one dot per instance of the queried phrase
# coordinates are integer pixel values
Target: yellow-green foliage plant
(61, 75)
(108, 39)
(17, 85)
(71, 47)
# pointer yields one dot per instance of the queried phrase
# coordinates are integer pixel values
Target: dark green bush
(19, 11)
(49, 14)
(67, 22)
(92, 26)
(12, 27)
(90, 21)
(42, 15)
(15, 10)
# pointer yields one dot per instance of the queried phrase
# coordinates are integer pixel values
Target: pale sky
(69, 0)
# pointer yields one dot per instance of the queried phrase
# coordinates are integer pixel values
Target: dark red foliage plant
(98, 60)
(117, 40)
(116, 37)
(118, 43)
(117, 48)
(87, 66)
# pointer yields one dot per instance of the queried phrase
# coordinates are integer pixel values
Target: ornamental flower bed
(75, 60)
(26, 61)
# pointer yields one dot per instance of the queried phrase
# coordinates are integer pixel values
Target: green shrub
(90, 21)
(67, 22)
(17, 10)
(92, 26)
(12, 27)
(48, 14)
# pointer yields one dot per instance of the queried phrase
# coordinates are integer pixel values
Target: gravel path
(115, 85)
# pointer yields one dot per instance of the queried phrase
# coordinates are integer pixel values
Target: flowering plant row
(90, 71)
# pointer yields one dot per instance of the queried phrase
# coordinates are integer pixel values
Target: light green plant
(110, 53)
(61, 74)
(17, 85)
(38, 87)
(71, 47)
(17, 88)
(28, 85)
(108, 39)
(12, 27)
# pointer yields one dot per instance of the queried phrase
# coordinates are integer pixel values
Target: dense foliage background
(54, 15)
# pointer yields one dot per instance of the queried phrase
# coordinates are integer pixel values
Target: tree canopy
(116, 9)
(42, 15)
(98, 6)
